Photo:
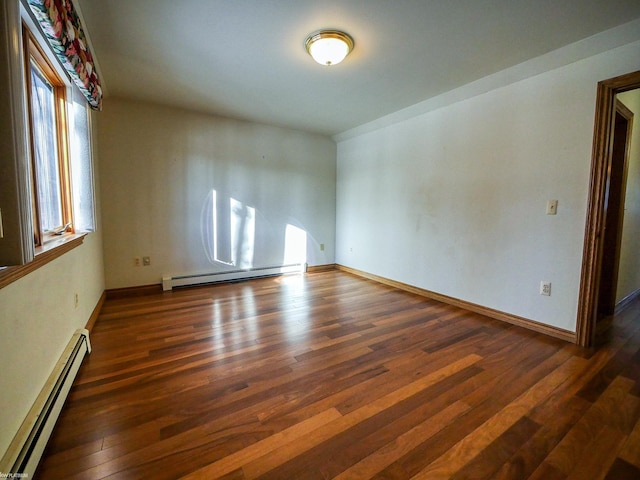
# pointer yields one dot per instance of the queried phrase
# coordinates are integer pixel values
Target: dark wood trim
(321, 268)
(96, 312)
(138, 291)
(592, 248)
(472, 307)
(627, 301)
(44, 255)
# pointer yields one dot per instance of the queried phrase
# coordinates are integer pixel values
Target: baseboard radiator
(171, 281)
(23, 455)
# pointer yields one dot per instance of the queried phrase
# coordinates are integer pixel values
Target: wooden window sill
(44, 254)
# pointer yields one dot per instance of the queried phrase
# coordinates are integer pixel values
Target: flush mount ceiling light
(329, 47)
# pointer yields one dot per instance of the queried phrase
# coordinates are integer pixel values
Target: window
(45, 150)
(47, 182)
(46, 107)
(60, 149)
(80, 163)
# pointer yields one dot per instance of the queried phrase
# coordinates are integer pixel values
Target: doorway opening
(614, 212)
(605, 210)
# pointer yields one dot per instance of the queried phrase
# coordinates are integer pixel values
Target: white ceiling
(246, 58)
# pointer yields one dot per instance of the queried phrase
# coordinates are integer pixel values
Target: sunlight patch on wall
(243, 233)
(295, 245)
(228, 231)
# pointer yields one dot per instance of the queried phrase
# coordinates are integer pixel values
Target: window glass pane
(45, 151)
(81, 169)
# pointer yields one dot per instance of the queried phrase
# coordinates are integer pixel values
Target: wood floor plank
(621, 470)
(599, 455)
(547, 472)
(290, 449)
(485, 406)
(631, 449)
(465, 450)
(404, 443)
(489, 460)
(566, 456)
(532, 453)
(265, 448)
(341, 451)
(328, 375)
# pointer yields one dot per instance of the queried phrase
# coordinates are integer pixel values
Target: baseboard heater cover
(24, 452)
(171, 281)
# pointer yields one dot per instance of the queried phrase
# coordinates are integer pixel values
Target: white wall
(454, 200)
(37, 319)
(38, 316)
(160, 166)
(629, 268)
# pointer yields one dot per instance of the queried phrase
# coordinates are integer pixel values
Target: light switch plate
(552, 207)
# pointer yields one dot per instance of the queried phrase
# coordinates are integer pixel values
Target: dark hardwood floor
(331, 376)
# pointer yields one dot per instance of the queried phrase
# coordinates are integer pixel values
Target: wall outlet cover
(545, 288)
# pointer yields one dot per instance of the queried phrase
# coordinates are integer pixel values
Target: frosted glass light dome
(329, 47)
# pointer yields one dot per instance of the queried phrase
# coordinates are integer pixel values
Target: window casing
(49, 146)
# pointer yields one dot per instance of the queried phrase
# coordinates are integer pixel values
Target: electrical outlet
(545, 288)
(146, 261)
(137, 262)
(322, 247)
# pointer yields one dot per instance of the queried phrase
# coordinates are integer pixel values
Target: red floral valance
(61, 25)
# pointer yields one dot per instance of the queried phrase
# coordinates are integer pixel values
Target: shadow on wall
(236, 236)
